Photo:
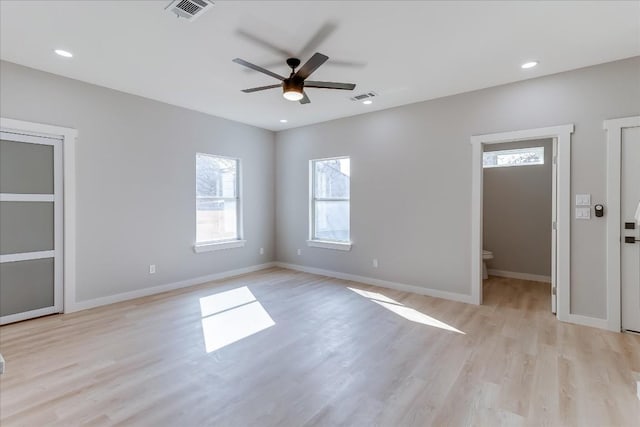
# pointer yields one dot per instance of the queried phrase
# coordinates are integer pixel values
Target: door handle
(630, 239)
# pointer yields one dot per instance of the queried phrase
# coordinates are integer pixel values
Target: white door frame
(68, 137)
(562, 134)
(614, 151)
(57, 252)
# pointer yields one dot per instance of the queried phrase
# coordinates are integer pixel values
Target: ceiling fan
(293, 86)
(312, 44)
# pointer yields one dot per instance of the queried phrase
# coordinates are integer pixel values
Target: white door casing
(554, 230)
(68, 137)
(56, 253)
(562, 205)
(615, 129)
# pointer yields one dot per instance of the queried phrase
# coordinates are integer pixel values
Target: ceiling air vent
(189, 9)
(363, 96)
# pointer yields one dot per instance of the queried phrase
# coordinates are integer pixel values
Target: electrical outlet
(375, 263)
(299, 251)
(261, 251)
(152, 269)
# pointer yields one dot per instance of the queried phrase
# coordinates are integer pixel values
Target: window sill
(329, 245)
(208, 247)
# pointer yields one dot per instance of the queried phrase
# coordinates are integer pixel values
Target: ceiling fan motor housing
(292, 84)
(293, 63)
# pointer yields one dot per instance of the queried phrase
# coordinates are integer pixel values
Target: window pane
(516, 157)
(26, 227)
(26, 285)
(215, 176)
(331, 178)
(332, 221)
(216, 220)
(26, 168)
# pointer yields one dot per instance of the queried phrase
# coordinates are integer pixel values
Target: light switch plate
(583, 199)
(583, 213)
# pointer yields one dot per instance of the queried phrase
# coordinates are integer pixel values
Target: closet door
(30, 226)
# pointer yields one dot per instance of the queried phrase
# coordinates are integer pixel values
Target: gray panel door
(30, 226)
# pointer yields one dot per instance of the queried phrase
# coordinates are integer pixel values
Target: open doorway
(561, 205)
(518, 217)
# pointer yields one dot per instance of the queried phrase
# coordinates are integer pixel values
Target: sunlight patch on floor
(230, 316)
(404, 311)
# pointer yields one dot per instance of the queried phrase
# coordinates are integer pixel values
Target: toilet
(486, 255)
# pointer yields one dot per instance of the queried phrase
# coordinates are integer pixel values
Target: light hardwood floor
(334, 356)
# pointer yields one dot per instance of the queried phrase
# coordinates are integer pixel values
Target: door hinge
(553, 291)
(555, 160)
(554, 225)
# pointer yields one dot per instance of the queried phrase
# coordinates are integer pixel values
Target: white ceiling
(407, 51)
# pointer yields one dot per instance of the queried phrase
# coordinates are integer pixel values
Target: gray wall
(136, 180)
(411, 177)
(517, 212)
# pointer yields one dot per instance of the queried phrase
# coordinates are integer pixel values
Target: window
(515, 157)
(330, 203)
(217, 202)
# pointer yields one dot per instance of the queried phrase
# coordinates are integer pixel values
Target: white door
(630, 244)
(30, 226)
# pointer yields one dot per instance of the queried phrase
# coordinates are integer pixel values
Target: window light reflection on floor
(404, 311)
(230, 316)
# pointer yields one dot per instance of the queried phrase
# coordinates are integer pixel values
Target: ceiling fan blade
(352, 64)
(257, 68)
(311, 65)
(316, 40)
(256, 89)
(330, 85)
(305, 99)
(330, 62)
(271, 64)
(257, 40)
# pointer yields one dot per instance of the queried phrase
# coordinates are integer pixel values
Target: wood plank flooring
(337, 353)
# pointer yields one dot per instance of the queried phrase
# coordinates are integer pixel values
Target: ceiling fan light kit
(293, 86)
(292, 91)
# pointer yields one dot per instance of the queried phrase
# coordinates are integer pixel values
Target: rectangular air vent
(189, 9)
(363, 96)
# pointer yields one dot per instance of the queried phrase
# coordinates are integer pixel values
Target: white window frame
(237, 242)
(318, 243)
(514, 151)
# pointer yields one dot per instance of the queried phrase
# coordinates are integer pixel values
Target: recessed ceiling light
(283, 120)
(64, 53)
(367, 102)
(529, 64)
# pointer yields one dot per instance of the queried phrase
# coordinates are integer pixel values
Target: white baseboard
(521, 276)
(111, 299)
(579, 319)
(381, 283)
